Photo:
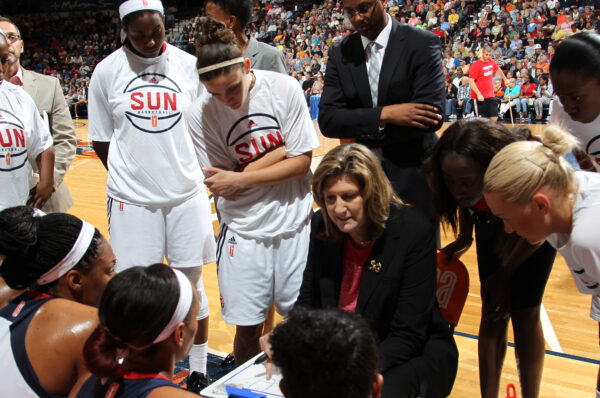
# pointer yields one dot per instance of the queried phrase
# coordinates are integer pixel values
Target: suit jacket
(48, 97)
(265, 57)
(398, 301)
(411, 72)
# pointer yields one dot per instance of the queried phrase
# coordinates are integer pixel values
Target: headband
(186, 294)
(221, 65)
(131, 6)
(73, 257)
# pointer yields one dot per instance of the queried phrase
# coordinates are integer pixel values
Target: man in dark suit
(388, 95)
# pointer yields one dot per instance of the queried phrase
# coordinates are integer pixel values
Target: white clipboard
(250, 376)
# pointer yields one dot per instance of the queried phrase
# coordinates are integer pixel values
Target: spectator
(528, 89)
(451, 100)
(464, 96)
(511, 96)
(543, 97)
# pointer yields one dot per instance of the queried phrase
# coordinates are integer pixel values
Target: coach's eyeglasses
(12, 37)
(362, 9)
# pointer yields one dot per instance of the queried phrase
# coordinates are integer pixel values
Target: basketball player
(249, 117)
(157, 205)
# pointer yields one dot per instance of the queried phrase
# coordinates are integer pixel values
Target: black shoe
(197, 381)
(228, 361)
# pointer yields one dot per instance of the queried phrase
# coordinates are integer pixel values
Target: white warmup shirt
(587, 133)
(581, 249)
(274, 114)
(23, 136)
(137, 104)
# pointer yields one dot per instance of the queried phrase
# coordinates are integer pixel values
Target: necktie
(373, 69)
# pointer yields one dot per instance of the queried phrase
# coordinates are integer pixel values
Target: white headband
(131, 6)
(73, 257)
(220, 65)
(186, 294)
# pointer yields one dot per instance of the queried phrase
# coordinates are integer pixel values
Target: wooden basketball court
(571, 336)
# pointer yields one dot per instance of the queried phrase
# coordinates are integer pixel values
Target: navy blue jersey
(131, 385)
(18, 378)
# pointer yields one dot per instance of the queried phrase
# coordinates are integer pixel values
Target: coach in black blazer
(410, 100)
(418, 355)
(374, 255)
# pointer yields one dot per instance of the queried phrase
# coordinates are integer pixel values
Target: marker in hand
(263, 357)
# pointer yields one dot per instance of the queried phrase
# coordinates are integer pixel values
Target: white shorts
(595, 310)
(146, 235)
(194, 274)
(255, 274)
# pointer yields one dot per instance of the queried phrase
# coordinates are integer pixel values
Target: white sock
(198, 355)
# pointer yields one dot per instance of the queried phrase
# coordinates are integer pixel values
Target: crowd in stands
(523, 36)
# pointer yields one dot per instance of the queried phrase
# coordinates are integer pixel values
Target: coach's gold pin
(375, 266)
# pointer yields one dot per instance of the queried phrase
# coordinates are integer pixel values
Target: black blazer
(398, 302)
(411, 72)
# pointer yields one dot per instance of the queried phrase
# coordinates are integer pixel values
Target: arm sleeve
(429, 81)
(309, 292)
(100, 118)
(63, 134)
(409, 328)
(279, 63)
(205, 138)
(585, 245)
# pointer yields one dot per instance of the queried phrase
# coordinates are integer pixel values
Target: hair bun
(213, 31)
(558, 140)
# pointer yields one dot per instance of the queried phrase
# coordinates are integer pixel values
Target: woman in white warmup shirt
(157, 205)
(538, 195)
(254, 138)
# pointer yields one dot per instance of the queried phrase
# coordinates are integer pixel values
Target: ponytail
(102, 352)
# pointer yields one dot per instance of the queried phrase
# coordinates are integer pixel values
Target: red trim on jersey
(132, 375)
(39, 295)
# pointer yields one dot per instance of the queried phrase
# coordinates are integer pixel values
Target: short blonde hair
(520, 169)
(357, 161)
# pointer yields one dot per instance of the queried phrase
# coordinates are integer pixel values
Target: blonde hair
(520, 169)
(357, 161)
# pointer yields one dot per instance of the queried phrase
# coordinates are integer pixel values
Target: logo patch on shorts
(232, 244)
(222, 301)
